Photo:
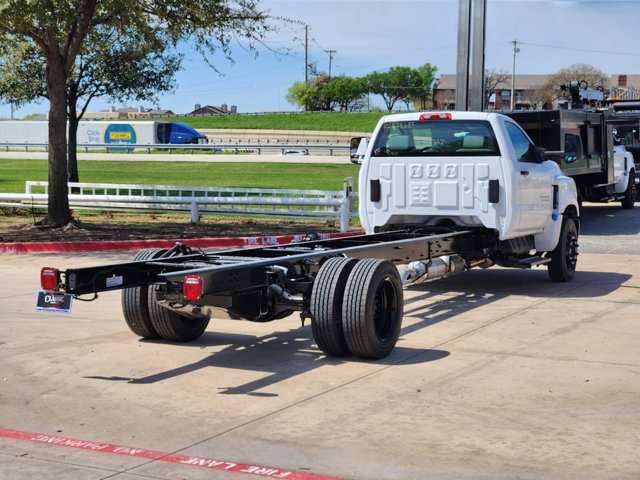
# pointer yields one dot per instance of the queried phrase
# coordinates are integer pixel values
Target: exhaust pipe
(434, 269)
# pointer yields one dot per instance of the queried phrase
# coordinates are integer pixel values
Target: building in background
(625, 87)
(142, 112)
(210, 110)
(127, 113)
(528, 93)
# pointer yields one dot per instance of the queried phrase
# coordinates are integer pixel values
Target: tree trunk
(72, 154)
(58, 213)
(388, 102)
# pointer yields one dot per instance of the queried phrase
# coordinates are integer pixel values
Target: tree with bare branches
(492, 80)
(552, 88)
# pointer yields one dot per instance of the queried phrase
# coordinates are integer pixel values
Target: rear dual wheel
(135, 301)
(173, 326)
(326, 305)
(148, 319)
(357, 307)
(372, 308)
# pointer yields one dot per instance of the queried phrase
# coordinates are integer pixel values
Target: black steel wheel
(372, 308)
(326, 305)
(629, 199)
(135, 301)
(173, 326)
(565, 256)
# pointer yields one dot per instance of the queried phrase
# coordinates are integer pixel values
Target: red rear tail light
(192, 287)
(435, 116)
(49, 278)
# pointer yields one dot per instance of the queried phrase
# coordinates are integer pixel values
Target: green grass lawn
(329, 121)
(14, 173)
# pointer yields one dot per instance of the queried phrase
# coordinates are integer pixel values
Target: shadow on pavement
(284, 354)
(478, 288)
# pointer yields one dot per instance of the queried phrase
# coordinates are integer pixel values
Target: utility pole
(478, 36)
(464, 48)
(330, 52)
(513, 73)
(306, 54)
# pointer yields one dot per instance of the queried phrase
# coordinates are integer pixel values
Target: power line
(587, 50)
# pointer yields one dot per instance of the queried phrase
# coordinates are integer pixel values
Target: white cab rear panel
(433, 189)
(415, 190)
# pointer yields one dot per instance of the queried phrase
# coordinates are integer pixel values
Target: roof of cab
(455, 115)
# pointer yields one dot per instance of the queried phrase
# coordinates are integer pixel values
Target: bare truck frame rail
(349, 287)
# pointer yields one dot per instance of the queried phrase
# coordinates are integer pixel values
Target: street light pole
(513, 73)
(464, 48)
(471, 49)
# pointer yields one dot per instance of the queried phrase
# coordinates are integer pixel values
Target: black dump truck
(587, 146)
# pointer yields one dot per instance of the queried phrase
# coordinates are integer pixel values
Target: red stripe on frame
(193, 461)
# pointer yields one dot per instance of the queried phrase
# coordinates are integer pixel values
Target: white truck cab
(469, 169)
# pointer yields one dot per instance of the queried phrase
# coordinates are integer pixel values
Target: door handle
(524, 173)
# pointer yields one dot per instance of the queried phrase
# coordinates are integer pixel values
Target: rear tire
(629, 199)
(173, 326)
(326, 305)
(372, 308)
(565, 256)
(135, 301)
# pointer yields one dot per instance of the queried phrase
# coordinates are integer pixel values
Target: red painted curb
(229, 242)
(177, 458)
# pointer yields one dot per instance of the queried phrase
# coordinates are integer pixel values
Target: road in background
(174, 157)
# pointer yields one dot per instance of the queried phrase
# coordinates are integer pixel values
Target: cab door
(533, 180)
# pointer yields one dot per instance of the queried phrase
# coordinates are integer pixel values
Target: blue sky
(370, 35)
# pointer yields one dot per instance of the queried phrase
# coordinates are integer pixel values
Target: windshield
(624, 135)
(460, 138)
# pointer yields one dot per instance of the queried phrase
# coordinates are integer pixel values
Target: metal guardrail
(255, 202)
(212, 148)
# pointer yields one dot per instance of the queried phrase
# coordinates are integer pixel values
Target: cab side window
(521, 143)
(572, 148)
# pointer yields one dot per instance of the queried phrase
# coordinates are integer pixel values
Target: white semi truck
(102, 132)
(440, 193)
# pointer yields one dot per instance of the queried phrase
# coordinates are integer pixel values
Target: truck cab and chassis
(439, 193)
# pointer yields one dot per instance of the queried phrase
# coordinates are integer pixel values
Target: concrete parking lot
(498, 374)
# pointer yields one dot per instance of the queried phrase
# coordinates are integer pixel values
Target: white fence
(255, 202)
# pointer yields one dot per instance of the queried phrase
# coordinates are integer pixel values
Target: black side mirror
(357, 149)
(535, 154)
